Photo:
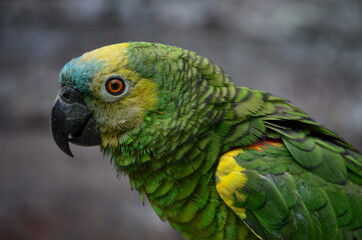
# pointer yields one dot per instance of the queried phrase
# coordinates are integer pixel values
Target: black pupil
(115, 85)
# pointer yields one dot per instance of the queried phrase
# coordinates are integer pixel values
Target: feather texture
(215, 160)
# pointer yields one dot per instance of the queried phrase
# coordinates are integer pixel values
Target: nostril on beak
(70, 95)
(65, 96)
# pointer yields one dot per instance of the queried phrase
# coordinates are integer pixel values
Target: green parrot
(215, 160)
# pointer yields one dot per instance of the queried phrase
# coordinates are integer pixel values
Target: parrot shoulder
(278, 198)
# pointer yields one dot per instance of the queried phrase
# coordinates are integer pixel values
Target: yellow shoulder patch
(230, 179)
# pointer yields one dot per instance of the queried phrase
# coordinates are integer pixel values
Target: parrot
(215, 160)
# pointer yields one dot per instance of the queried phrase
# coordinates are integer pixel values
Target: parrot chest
(185, 195)
(195, 209)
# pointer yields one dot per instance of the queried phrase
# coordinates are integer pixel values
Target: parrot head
(126, 92)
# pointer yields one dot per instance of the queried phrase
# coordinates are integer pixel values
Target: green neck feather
(172, 157)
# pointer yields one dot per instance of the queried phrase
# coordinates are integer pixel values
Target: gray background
(307, 51)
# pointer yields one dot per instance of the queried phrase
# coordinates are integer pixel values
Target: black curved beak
(71, 121)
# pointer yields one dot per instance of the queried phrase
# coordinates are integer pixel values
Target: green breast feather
(215, 160)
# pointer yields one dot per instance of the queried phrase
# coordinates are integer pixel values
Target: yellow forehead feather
(108, 54)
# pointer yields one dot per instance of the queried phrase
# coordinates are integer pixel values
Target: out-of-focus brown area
(307, 51)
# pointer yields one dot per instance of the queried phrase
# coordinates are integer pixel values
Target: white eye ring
(114, 87)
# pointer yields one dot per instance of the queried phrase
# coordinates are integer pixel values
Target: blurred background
(307, 51)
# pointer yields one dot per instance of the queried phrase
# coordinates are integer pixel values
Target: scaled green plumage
(291, 179)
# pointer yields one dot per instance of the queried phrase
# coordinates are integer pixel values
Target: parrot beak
(71, 121)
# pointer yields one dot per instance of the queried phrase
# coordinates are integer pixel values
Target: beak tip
(63, 144)
(69, 153)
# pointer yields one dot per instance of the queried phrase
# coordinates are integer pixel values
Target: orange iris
(115, 86)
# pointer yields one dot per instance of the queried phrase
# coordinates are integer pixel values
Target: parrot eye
(115, 86)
